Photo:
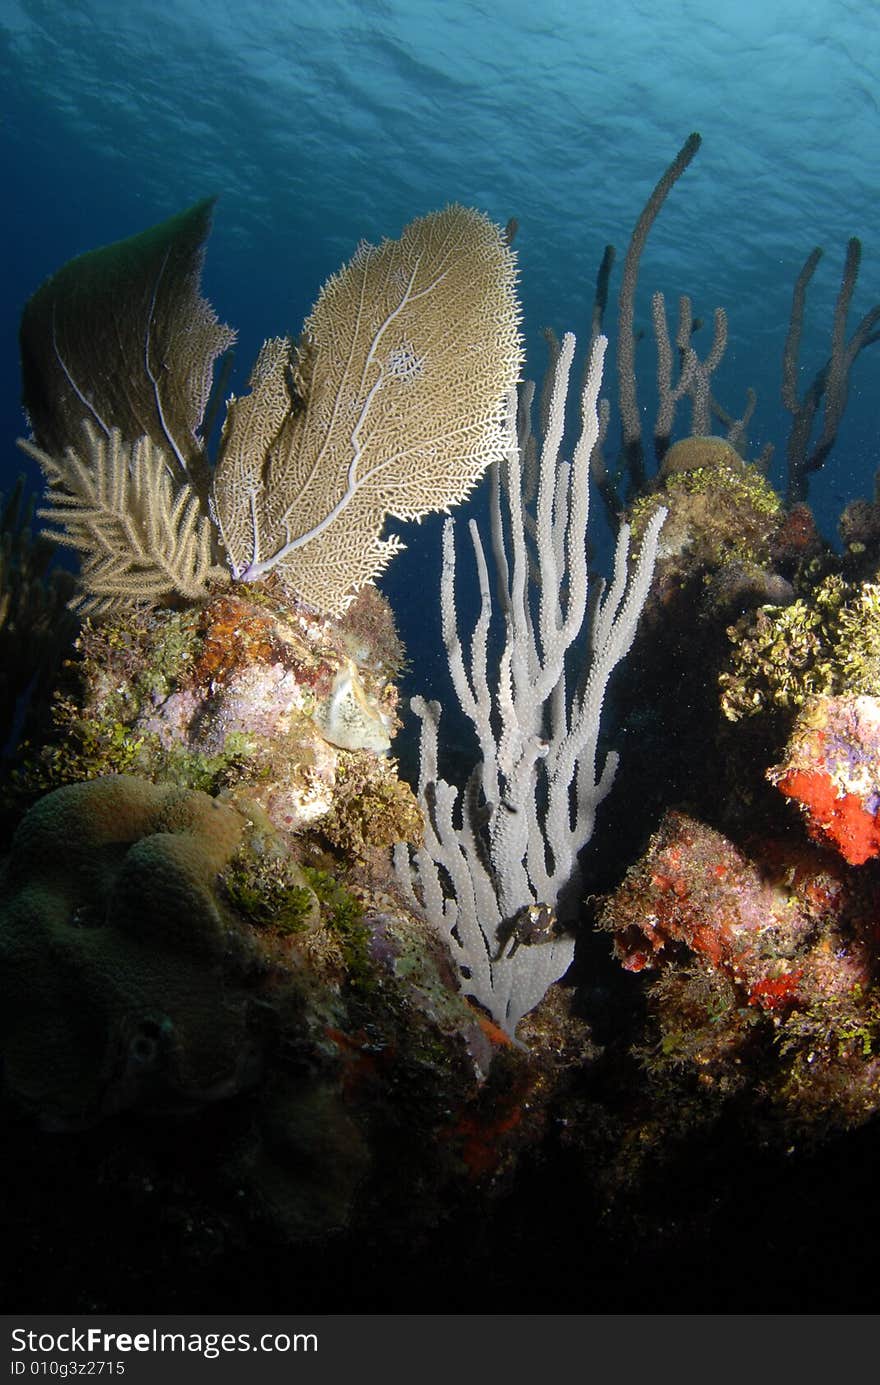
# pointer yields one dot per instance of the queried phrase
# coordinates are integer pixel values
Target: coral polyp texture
(721, 509)
(826, 642)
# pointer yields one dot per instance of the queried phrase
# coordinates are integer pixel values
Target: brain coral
(161, 950)
(123, 980)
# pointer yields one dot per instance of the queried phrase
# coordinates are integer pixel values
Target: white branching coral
(498, 873)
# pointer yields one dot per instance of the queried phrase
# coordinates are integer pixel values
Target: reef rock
(242, 690)
(831, 768)
(765, 955)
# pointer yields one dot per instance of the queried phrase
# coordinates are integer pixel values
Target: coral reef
(751, 689)
(218, 998)
(226, 906)
(721, 510)
(722, 551)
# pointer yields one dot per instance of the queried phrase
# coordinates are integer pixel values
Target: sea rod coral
(501, 869)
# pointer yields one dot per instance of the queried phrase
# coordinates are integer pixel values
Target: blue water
(321, 124)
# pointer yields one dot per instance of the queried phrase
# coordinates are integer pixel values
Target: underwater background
(317, 127)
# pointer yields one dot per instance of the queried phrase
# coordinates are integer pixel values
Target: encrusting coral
(754, 923)
(827, 642)
(718, 555)
(276, 697)
(721, 509)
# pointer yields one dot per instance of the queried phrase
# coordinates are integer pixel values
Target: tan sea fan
(391, 404)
